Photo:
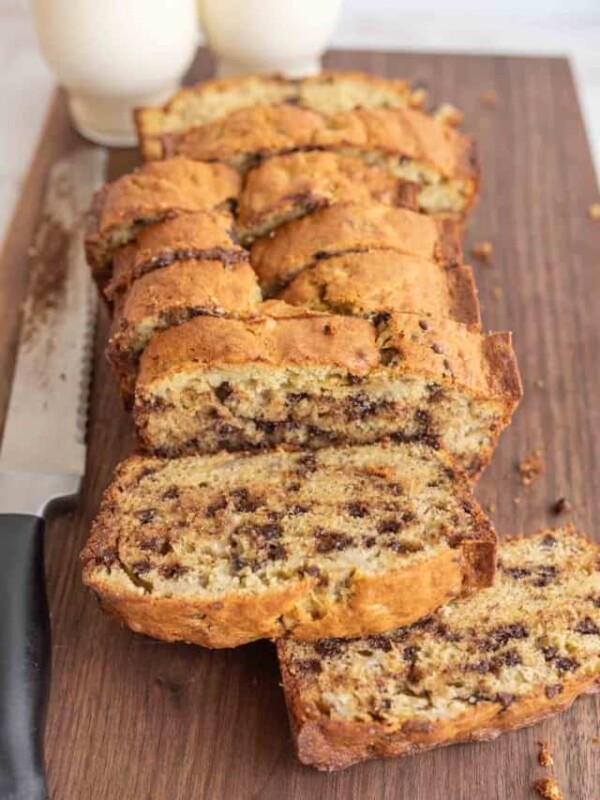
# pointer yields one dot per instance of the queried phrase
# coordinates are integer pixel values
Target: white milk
(286, 36)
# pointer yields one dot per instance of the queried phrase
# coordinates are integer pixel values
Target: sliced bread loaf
(351, 228)
(408, 143)
(205, 236)
(365, 284)
(505, 657)
(294, 377)
(224, 549)
(327, 93)
(152, 193)
(170, 296)
(291, 186)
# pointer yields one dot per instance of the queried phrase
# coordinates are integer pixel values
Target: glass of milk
(115, 55)
(285, 36)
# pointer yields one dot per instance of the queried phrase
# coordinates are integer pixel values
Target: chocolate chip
(389, 526)
(370, 542)
(223, 391)
(171, 494)
(410, 653)
(508, 659)
(311, 570)
(329, 647)
(437, 348)
(355, 380)
(243, 501)
(481, 667)
(381, 318)
(310, 666)
(328, 541)
(146, 515)
(173, 570)
(276, 552)
(297, 509)
(141, 567)
(379, 643)
(327, 330)
(516, 572)
(423, 324)
(564, 664)
(500, 636)
(587, 626)
(357, 509)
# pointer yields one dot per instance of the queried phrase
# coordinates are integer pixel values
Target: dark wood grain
(133, 719)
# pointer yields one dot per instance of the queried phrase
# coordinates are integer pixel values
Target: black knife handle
(24, 657)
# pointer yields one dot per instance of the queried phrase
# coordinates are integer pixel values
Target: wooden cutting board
(135, 719)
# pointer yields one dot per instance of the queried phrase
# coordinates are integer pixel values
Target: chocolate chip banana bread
(366, 284)
(327, 93)
(294, 377)
(205, 236)
(224, 549)
(351, 228)
(408, 143)
(503, 658)
(291, 186)
(170, 296)
(152, 193)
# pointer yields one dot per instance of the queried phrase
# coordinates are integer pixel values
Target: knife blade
(42, 457)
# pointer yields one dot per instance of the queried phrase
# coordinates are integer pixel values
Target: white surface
(529, 26)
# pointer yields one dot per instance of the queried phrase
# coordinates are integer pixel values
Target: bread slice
(291, 186)
(224, 549)
(351, 228)
(327, 93)
(298, 378)
(205, 236)
(170, 296)
(147, 195)
(365, 284)
(408, 143)
(503, 658)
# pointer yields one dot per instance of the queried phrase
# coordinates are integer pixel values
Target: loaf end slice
(154, 192)
(225, 549)
(170, 296)
(506, 657)
(328, 92)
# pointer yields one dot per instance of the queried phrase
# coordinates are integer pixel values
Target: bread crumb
(594, 211)
(596, 740)
(549, 789)
(561, 506)
(545, 756)
(450, 115)
(418, 97)
(498, 292)
(491, 508)
(516, 500)
(538, 383)
(482, 251)
(490, 98)
(531, 467)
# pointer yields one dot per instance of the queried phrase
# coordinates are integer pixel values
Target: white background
(503, 26)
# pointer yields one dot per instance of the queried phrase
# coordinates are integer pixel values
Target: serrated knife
(42, 459)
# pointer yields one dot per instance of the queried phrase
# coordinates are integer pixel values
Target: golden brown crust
(331, 744)
(452, 652)
(153, 192)
(451, 352)
(291, 186)
(351, 227)
(171, 296)
(266, 131)
(205, 235)
(329, 91)
(377, 604)
(374, 603)
(382, 280)
(308, 339)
